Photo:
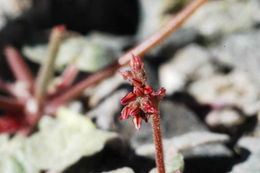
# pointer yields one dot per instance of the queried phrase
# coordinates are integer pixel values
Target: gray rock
(225, 117)
(251, 164)
(242, 51)
(105, 112)
(218, 18)
(12, 9)
(103, 89)
(208, 150)
(121, 170)
(175, 120)
(188, 143)
(190, 63)
(235, 88)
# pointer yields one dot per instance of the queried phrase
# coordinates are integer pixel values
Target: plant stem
(77, 89)
(68, 76)
(47, 68)
(139, 50)
(157, 137)
(10, 104)
(19, 68)
(163, 33)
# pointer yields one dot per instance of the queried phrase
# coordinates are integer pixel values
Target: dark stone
(116, 154)
(176, 119)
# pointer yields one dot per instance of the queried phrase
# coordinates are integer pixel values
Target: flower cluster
(141, 102)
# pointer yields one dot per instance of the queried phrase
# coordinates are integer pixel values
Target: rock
(241, 50)
(103, 89)
(149, 10)
(235, 88)
(104, 113)
(121, 170)
(251, 164)
(208, 150)
(190, 62)
(185, 142)
(226, 118)
(12, 9)
(218, 18)
(176, 120)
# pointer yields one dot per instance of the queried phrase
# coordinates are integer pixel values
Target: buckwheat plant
(143, 103)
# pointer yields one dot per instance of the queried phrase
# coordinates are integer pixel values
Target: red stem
(77, 89)
(66, 80)
(158, 143)
(139, 50)
(163, 33)
(10, 104)
(68, 76)
(18, 66)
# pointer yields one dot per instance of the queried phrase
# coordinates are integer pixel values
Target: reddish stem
(18, 66)
(68, 77)
(8, 88)
(139, 50)
(163, 33)
(158, 143)
(10, 104)
(77, 89)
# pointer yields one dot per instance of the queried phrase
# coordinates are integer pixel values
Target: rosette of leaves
(58, 144)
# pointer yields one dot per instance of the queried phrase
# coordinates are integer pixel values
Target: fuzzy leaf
(12, 154)
(63, 141)
(87, 55)
(173, 164)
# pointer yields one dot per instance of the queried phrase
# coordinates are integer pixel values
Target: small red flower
(129, 97)
(141, 102)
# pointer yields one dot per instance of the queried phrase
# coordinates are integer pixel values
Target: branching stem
(18, 66)
(47, 68)
(139, 50)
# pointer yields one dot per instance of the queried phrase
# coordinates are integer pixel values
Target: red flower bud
(161, 93)
(148, 89)
(134, 110)
(136, 83)
(128, 98)
(147, 106)
(138, 91)
(125, 113)
(137, 120)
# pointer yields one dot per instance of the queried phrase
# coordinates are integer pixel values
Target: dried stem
(77, 89)
(163, 33)
(47, 68)
(10, 104)
(158, 143)
(139, 50)
(68, 76)
(19, 68)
